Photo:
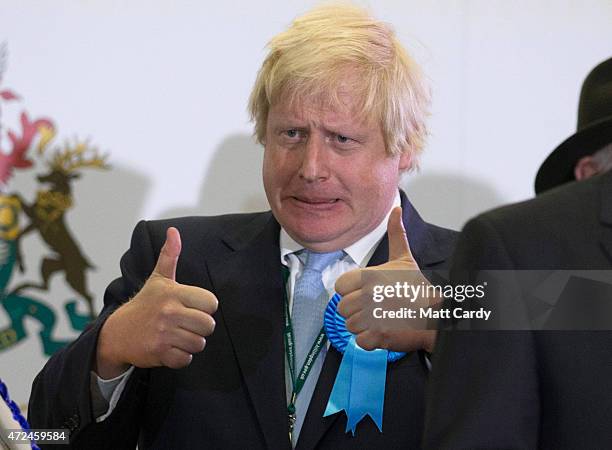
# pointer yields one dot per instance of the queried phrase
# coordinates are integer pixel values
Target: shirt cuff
(106, 393)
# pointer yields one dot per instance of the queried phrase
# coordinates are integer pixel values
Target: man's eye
(342, 139)
(293, 133)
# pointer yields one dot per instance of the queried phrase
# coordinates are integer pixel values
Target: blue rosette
(359, 389)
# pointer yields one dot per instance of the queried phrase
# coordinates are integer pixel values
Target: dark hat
(594, 130)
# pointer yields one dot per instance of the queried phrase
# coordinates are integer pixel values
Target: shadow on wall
(106, 206)
(232, 182)
(109, 204)
(449, 200)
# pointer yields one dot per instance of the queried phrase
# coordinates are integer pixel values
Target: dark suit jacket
(232, 396)
(528, 390)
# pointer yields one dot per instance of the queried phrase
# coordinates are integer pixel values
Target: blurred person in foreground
(539, 389)
(191, 347)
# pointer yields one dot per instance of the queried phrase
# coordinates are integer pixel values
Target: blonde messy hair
(313, 58)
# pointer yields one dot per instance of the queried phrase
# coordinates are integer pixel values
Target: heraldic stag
(47, 216)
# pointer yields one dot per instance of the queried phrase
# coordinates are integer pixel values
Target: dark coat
(528, 390)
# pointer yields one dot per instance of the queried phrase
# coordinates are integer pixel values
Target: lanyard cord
(299, 380)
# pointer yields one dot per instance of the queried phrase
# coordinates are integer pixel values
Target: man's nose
(314, 159)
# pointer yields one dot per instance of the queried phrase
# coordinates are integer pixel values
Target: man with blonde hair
(340, 109)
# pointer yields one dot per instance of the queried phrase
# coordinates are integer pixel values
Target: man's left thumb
(398, 242)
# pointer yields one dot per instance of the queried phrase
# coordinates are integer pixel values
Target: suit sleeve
(60, 395)
(483, 389)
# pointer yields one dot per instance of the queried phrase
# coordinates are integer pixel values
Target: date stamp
(38, 436)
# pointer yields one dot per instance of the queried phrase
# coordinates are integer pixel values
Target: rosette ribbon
(15, 412)
(359, 388)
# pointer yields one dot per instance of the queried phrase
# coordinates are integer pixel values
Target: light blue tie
(309, 301)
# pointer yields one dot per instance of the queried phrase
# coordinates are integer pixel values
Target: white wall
(162, 86)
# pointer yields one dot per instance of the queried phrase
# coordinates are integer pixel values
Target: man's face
(327, 175)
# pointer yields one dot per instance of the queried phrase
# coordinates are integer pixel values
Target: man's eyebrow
(290, 124)
(350, 129)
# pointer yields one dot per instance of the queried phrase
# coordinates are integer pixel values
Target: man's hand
(357, 304)
(163, 325)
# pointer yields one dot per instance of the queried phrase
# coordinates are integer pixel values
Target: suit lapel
(425, 253)
(422, 244)
(252, 309)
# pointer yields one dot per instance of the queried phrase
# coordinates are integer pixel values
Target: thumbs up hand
(357, 305)
(163, 325)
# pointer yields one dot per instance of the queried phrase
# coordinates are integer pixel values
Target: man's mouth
(316, 200)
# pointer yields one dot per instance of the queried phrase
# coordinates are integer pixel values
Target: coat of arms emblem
(31, 148)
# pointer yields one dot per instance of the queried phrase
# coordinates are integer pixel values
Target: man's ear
(585, 168)
(405, 161)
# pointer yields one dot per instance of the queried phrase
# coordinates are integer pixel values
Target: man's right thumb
(169, 254)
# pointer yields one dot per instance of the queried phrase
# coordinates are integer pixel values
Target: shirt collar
(360, 251)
